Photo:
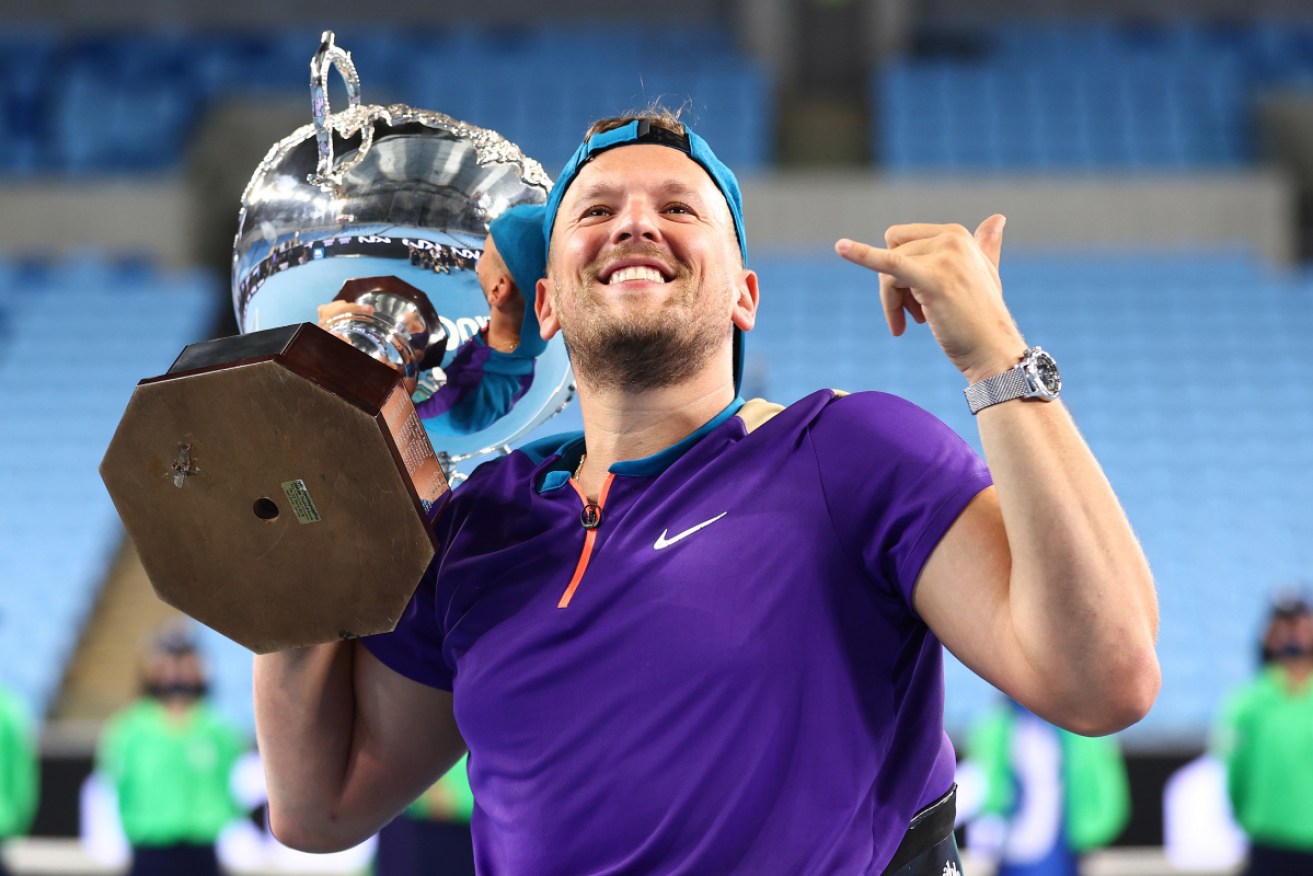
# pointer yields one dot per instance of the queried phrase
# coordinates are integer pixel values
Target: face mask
(1292, 651)
(177, 690)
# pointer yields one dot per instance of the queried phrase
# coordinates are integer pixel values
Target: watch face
(1046, 369)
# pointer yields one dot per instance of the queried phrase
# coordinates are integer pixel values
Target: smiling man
(703, 635)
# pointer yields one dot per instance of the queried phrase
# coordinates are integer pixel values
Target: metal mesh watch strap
(999, 388)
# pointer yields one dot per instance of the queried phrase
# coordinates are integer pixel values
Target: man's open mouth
(645, 272)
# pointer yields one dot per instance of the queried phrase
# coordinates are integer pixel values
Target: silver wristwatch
(1035, 376)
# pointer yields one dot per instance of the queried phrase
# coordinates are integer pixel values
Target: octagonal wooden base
(277, 485)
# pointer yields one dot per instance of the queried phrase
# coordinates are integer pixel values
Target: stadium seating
(78, 336)
(1018, 97)
(1049, 97)
(86, 105)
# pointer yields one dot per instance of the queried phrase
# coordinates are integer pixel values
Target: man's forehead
(645, 166)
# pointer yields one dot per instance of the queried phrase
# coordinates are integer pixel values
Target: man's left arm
(1040, 586)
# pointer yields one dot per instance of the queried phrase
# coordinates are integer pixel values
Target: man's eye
(593, 212)
(679, 208)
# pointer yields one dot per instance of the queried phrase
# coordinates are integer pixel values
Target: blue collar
(570, 449)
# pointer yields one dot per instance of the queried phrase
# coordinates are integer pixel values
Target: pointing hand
(948, 277)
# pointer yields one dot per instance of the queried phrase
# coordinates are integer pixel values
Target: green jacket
(18, 768)
(1096, 798)
(1266, 741)
(172, 777)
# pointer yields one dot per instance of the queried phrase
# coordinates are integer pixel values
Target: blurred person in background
(433, 835)
(169, 758)
(18, 770)
(1050, 796)
(1266, 741)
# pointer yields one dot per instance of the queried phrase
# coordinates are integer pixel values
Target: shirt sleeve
(414, 648)
(482, 385)
(895, 479)
(109, 753)
(1229, 744)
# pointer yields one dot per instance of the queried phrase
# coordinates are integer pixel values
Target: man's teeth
(637, 272)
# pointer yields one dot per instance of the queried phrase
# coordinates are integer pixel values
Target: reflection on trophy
(393, 322)
(278, 484)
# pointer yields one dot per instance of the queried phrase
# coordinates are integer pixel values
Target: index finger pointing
(886, 261)
(864, 254)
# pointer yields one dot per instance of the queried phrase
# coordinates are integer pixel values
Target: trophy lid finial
(328, 57)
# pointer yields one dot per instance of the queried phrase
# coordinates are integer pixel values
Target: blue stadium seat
(128, 104)
(1079, 97)
(58, 528)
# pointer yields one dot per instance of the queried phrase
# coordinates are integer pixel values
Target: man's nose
(637, 220)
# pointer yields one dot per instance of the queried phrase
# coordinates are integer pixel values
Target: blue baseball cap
(518, 234)
(642, 131)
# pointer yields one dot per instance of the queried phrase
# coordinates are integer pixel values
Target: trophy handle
(330, 56)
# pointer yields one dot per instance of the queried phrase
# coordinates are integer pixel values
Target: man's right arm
(347, 743)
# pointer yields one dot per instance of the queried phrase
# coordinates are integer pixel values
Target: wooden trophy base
(278, 486)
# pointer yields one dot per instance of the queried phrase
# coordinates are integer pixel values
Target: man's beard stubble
(661, 350)
(639, 357)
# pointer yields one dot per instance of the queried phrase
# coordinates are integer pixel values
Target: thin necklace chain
(580, 467)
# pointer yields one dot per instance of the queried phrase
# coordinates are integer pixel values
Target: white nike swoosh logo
(664, 542)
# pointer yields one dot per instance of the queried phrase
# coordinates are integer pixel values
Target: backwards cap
(518, 234)
(642, 131)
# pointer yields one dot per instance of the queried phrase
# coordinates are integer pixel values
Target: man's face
(1291, 638)
(644, 275)
(176, 677)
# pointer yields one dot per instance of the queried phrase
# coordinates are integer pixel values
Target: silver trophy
(278, 484)
(375, 191)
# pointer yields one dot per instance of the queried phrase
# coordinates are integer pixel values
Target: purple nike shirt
(738, 683)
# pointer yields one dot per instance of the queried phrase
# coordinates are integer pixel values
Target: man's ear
(548, 325)
(744, 315)
(501, 290)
